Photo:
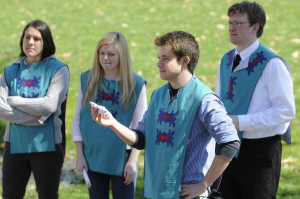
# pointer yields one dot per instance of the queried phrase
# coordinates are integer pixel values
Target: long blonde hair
(127, 79)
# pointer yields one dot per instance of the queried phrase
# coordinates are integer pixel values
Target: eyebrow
(163, 56)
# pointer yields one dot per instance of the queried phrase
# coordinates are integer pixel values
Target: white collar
(248, 51)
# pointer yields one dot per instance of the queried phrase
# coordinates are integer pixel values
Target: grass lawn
(77, 25)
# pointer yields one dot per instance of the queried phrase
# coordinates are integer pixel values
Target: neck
(112, 76)
(181, 80)
(30, 60)
(240, 48)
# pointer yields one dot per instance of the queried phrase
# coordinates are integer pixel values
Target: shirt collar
(172, 97)
(22, 59)
(248, 51)
(190, 81)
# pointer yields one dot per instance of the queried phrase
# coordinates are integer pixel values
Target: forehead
(238, 17)
(32, 31)
(165, 51)
(108, 47)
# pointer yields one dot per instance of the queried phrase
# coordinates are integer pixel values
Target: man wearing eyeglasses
(256, 88)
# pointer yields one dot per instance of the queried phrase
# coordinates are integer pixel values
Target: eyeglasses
(235, 23)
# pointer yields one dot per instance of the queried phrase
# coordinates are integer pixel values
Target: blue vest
(168, 127)
(237, 88)
(103, 149)
(31, 83)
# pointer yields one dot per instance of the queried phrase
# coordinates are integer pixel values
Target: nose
(159, 64)
(30, 40)
(231, 27)
(106, 56)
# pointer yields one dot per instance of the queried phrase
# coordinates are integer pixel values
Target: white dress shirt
(272, 106)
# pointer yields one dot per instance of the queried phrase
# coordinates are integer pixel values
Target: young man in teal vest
(258, 96)
(181, 127)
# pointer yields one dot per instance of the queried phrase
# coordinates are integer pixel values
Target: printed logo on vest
(167, 117)
(230, 58)
(163, 137)
(28, 96)
(30, 83)
(229, 95)
(34, 83)
(259, 59)
(110, 97)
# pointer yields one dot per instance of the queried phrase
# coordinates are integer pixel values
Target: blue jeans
(46, 169)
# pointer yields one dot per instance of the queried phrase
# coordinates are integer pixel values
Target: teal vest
(103, 149)
(237, 88)
(168, 127)
(31, 83)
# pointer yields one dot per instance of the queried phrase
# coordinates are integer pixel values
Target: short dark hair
(255, 12)
(182, 44)
(48, 43)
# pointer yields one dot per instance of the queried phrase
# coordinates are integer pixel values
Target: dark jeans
(46, 169)
(255, 173)
(100, 186)
(101, 183)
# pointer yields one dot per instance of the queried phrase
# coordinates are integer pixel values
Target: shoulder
(85, 73)
(12, 67)
(160, 91)
(139, 79)
(211, 99)
(210, 103)
(53, 61)
(277, 65)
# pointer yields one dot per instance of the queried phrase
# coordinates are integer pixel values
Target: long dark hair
(43, 28)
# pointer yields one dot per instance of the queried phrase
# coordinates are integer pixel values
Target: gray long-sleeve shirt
(27, 111)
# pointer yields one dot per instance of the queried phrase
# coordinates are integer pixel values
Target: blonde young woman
(112, 83)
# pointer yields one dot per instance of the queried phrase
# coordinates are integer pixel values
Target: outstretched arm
(125, 134)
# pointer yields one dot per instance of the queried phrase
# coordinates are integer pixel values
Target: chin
(162, 77)
(233, 41)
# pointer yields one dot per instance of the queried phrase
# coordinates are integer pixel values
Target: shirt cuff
(77, 139)
(244, 122)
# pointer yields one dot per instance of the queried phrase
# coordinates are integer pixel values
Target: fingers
(128, 178)
(80, 164)
(185, 191)
(95, 114)
(79, 171)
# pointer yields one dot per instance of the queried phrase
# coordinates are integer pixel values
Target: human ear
(185, 60)
(256, 27)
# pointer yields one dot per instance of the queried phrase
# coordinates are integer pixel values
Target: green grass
(77, 26)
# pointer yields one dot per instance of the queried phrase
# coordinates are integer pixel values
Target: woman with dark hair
(32, 90)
